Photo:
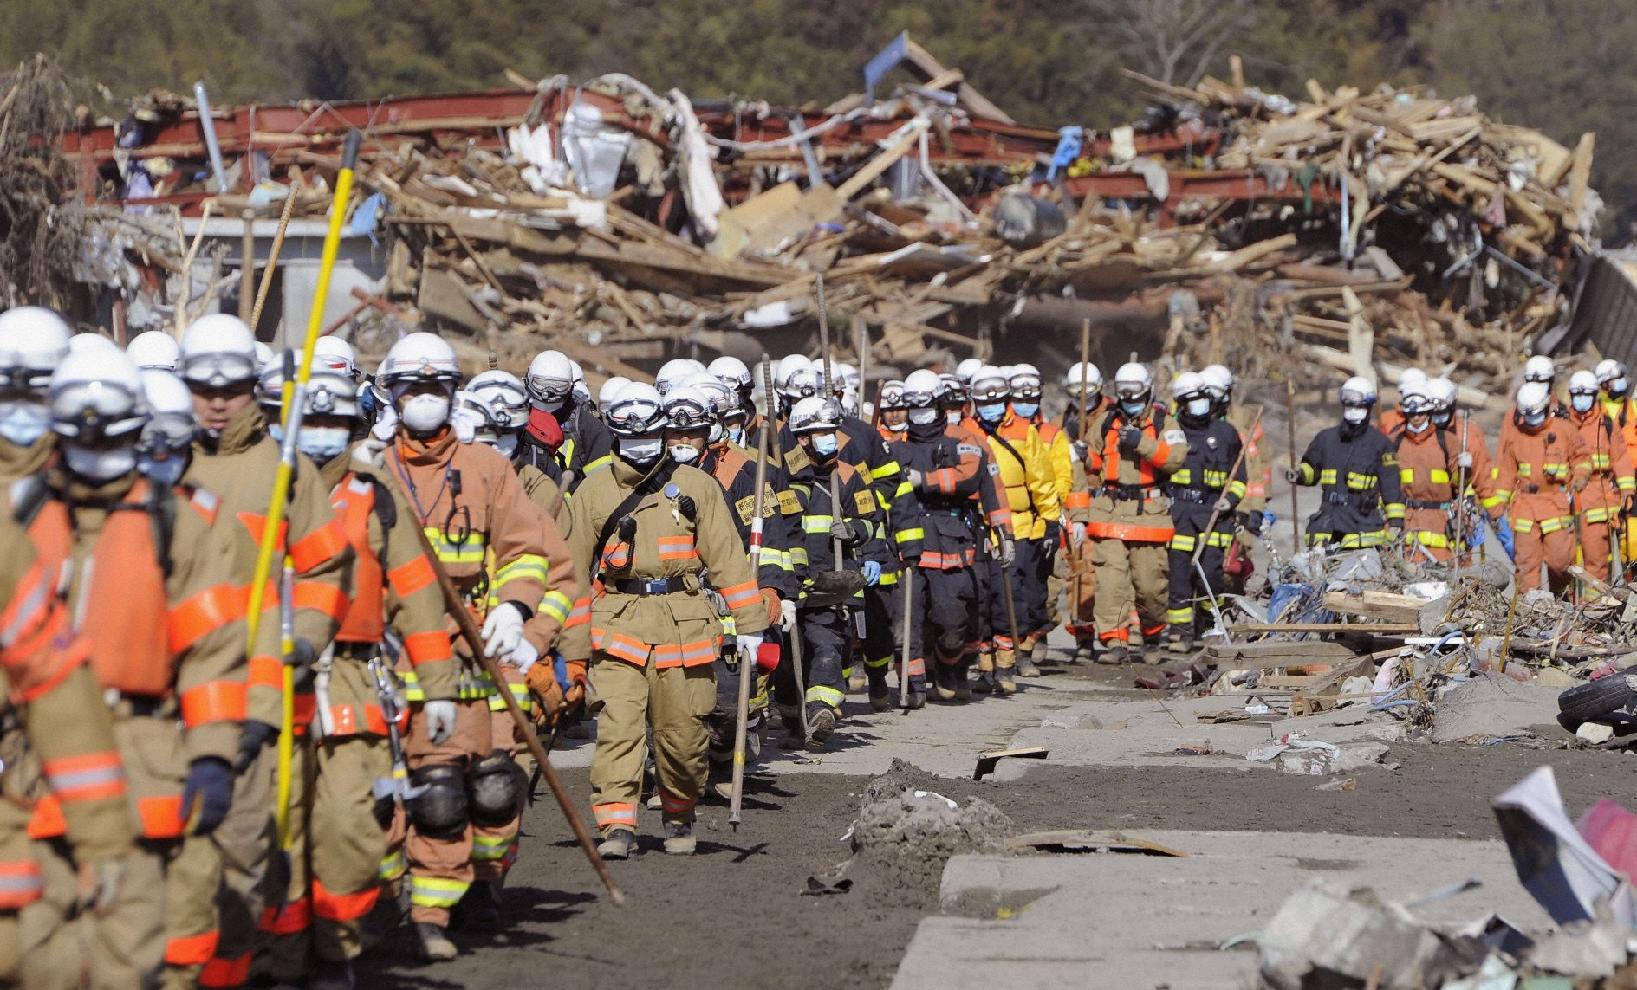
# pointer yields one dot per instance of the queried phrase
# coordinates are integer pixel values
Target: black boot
(331, 976)
(478, 909)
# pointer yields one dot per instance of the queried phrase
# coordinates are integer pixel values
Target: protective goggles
(22, 379)
(506, 407)
(687, 415)
(635, 416)
(325, 399)
(1026, 393)
(1130, 390)
(92, 411)
(548, 389)
(218, 370)
(166, 431)
(1356, 400)
(919, 400)
(399, 384)
(990, 391)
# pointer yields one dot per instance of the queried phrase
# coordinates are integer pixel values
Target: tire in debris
(1595, 700)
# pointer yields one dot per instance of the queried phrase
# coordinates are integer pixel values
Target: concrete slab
(1122, 920)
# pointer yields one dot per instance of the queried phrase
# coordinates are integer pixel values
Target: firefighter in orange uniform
(1541, 465)
(1610, 488)
(1619, 406)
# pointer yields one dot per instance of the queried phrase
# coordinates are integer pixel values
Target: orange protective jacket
(1131, 505)
(1535, 470)
(1612, 482)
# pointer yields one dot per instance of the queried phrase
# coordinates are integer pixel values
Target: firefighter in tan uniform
(236, 459)
(1137, 447)
(644, 531)
(32, 342)
(1079, 574)
(140, 568)
(62, 725)
(490, 540)
(350, 719)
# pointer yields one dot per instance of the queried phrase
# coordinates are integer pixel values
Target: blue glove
(872, 572)
(1503, 533)
(559, 670)
(210, 784)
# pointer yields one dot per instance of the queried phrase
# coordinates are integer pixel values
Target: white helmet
(33, 341)
(270, 385)
(787, 366)
(815, 414)
(90, 341)
(264, 355)
(1539, 369)
(950, 388)
(731, 371)
(505, 400)
(154, 349)
(582, 391)
(673, 371)
(1441, 392)
(921, 389)
(847, 375)
(892, 395)
(1609, 369)
(636, 410)
(96, 397)
(1133, 383)
(1187, 386)
(724, 399)
(1358, 391)
(334, 354)
(219, 351)
(550, 380)
(1583, 385)
(1412, 378)
(989, 385)
(415, 358)
(611, 388)
(170, 412)
(966, 369)
(689, 407)
(1092, 377)
(1413, 395)
(1218, 380)
(1533, 398)
(330, 393)
(802, 383)
(1025, 383)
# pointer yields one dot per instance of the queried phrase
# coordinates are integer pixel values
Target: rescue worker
(61, 726)
(1251, 517)
(643, 532)
(235, 459)
(1619, 406)
(734, 376)
(154, 350)
(562, 438)
(856, 520)
(345, 744)
(1357, 469)
(1611, 485)
(1135, 448)
(1541, 465)
(994, 521)
(1031, 493)
(1412, 382)
(694, 435)
(493, 544)
(937, 530)
(505, 409)
(1079, 575)
(1429, 464)
(140, 573)
(166, 445)
(1026, 395)
(1205, 491)
(891, 414)
(33, 341)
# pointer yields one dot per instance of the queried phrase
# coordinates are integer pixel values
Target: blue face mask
(1533, 420)
(824, 444)
(1582, 402)
(22, 423)
(991, 412)
(1199, 408)
(1025, 410)
(1133, 407)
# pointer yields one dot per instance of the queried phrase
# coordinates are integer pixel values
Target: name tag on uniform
(788, 503)
(746, 507)
(796, 461)
(1175, 437)
(865, 501)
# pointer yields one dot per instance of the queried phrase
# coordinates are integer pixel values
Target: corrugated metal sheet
(1605, 315)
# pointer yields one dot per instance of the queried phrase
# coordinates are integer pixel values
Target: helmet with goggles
(170, 411)
(417, 359)
(892, 396)
(989, 385)
(688, 408)
(1133, 384)
(636, 411)
(154, 349)
(219, 352)
(33, 341)
(550, 379)
(504, 399)
(921, 389)
(815, 414)
(1358, 392)
(95, 399)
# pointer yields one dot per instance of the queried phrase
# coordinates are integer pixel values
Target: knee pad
(496, 789)
(439, 805)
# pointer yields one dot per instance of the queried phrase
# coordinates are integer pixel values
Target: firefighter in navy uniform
(1357, 469)
(937, 532)
(1200, 488)
(562, 438)
(825, 625)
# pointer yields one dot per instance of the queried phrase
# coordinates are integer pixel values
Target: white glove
(1222, 504)
(386, 424)
(1008, 552)
(503, 629)
(787, 613)
(465, 423)
(1464, 459)
(523, 656)
(914, 478)
(1077, 533)
(748, 645)
(440, 721)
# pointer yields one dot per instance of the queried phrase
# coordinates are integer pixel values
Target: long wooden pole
(273, 259)
(1077, 560)
(247, 264)
(747, 665)
(1290, 437)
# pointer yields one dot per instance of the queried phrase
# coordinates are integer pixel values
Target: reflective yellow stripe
(1182, 476)
(1180, 616)
(1237, 489)
(490, 847)
(886, 470)
(556, 604)
(1439, 476)
(1426, 538)
(469, 552)
(527, 566)
(1393, 510)
(1360, 482)
(435, 891)
(520, 692)
(1327, 476)
(1406, 476)
(816, 524)
(825, 695)
(913, 533)
(1182, 542)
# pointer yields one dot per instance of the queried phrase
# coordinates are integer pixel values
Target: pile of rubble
(1362, 230)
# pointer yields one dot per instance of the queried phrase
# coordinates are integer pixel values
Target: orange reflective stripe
(1162, 450)
(196, 950)
(342, 907)
(255, 522)
(615, 813)
(30, 601)
(161, 817)
(427, 647)
(1078, 500)
(305, 708)
(86, 777)
(20, 883)
(316, 596)
(1130, 532)
(47, 821)
(204, 613)
(674, 804)
(291, 919)
(580, 615)
(322, 544)
(627, 648)
(406, 579)
(214, 701)
(741, 595)
(266, 672)
(354, 720)
(225, 972)
(677, 547)
(702, 651)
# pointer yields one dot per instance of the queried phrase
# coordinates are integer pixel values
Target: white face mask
(323, 444)
(923, 417)
(639, 451)
(425, 413)
(736, 434)
(952, 417)
(22, 423)
(99, 465)
(1354, 415)
(1416, 427)
(506, 443)
(1199, 407)
(683, 453)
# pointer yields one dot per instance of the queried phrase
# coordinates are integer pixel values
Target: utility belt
(139, 705)
(1362, 501)
(1419, 503)
(1198, 496)
(957, 510)
(1132, 493)
(651, 586)
(361, 652)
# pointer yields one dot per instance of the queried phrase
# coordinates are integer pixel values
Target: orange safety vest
(365, 622)
(1111, 452)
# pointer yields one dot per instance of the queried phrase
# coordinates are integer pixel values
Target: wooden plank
(1580, 172)
(1384, 605)
(1339, 628)
(880, 163)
